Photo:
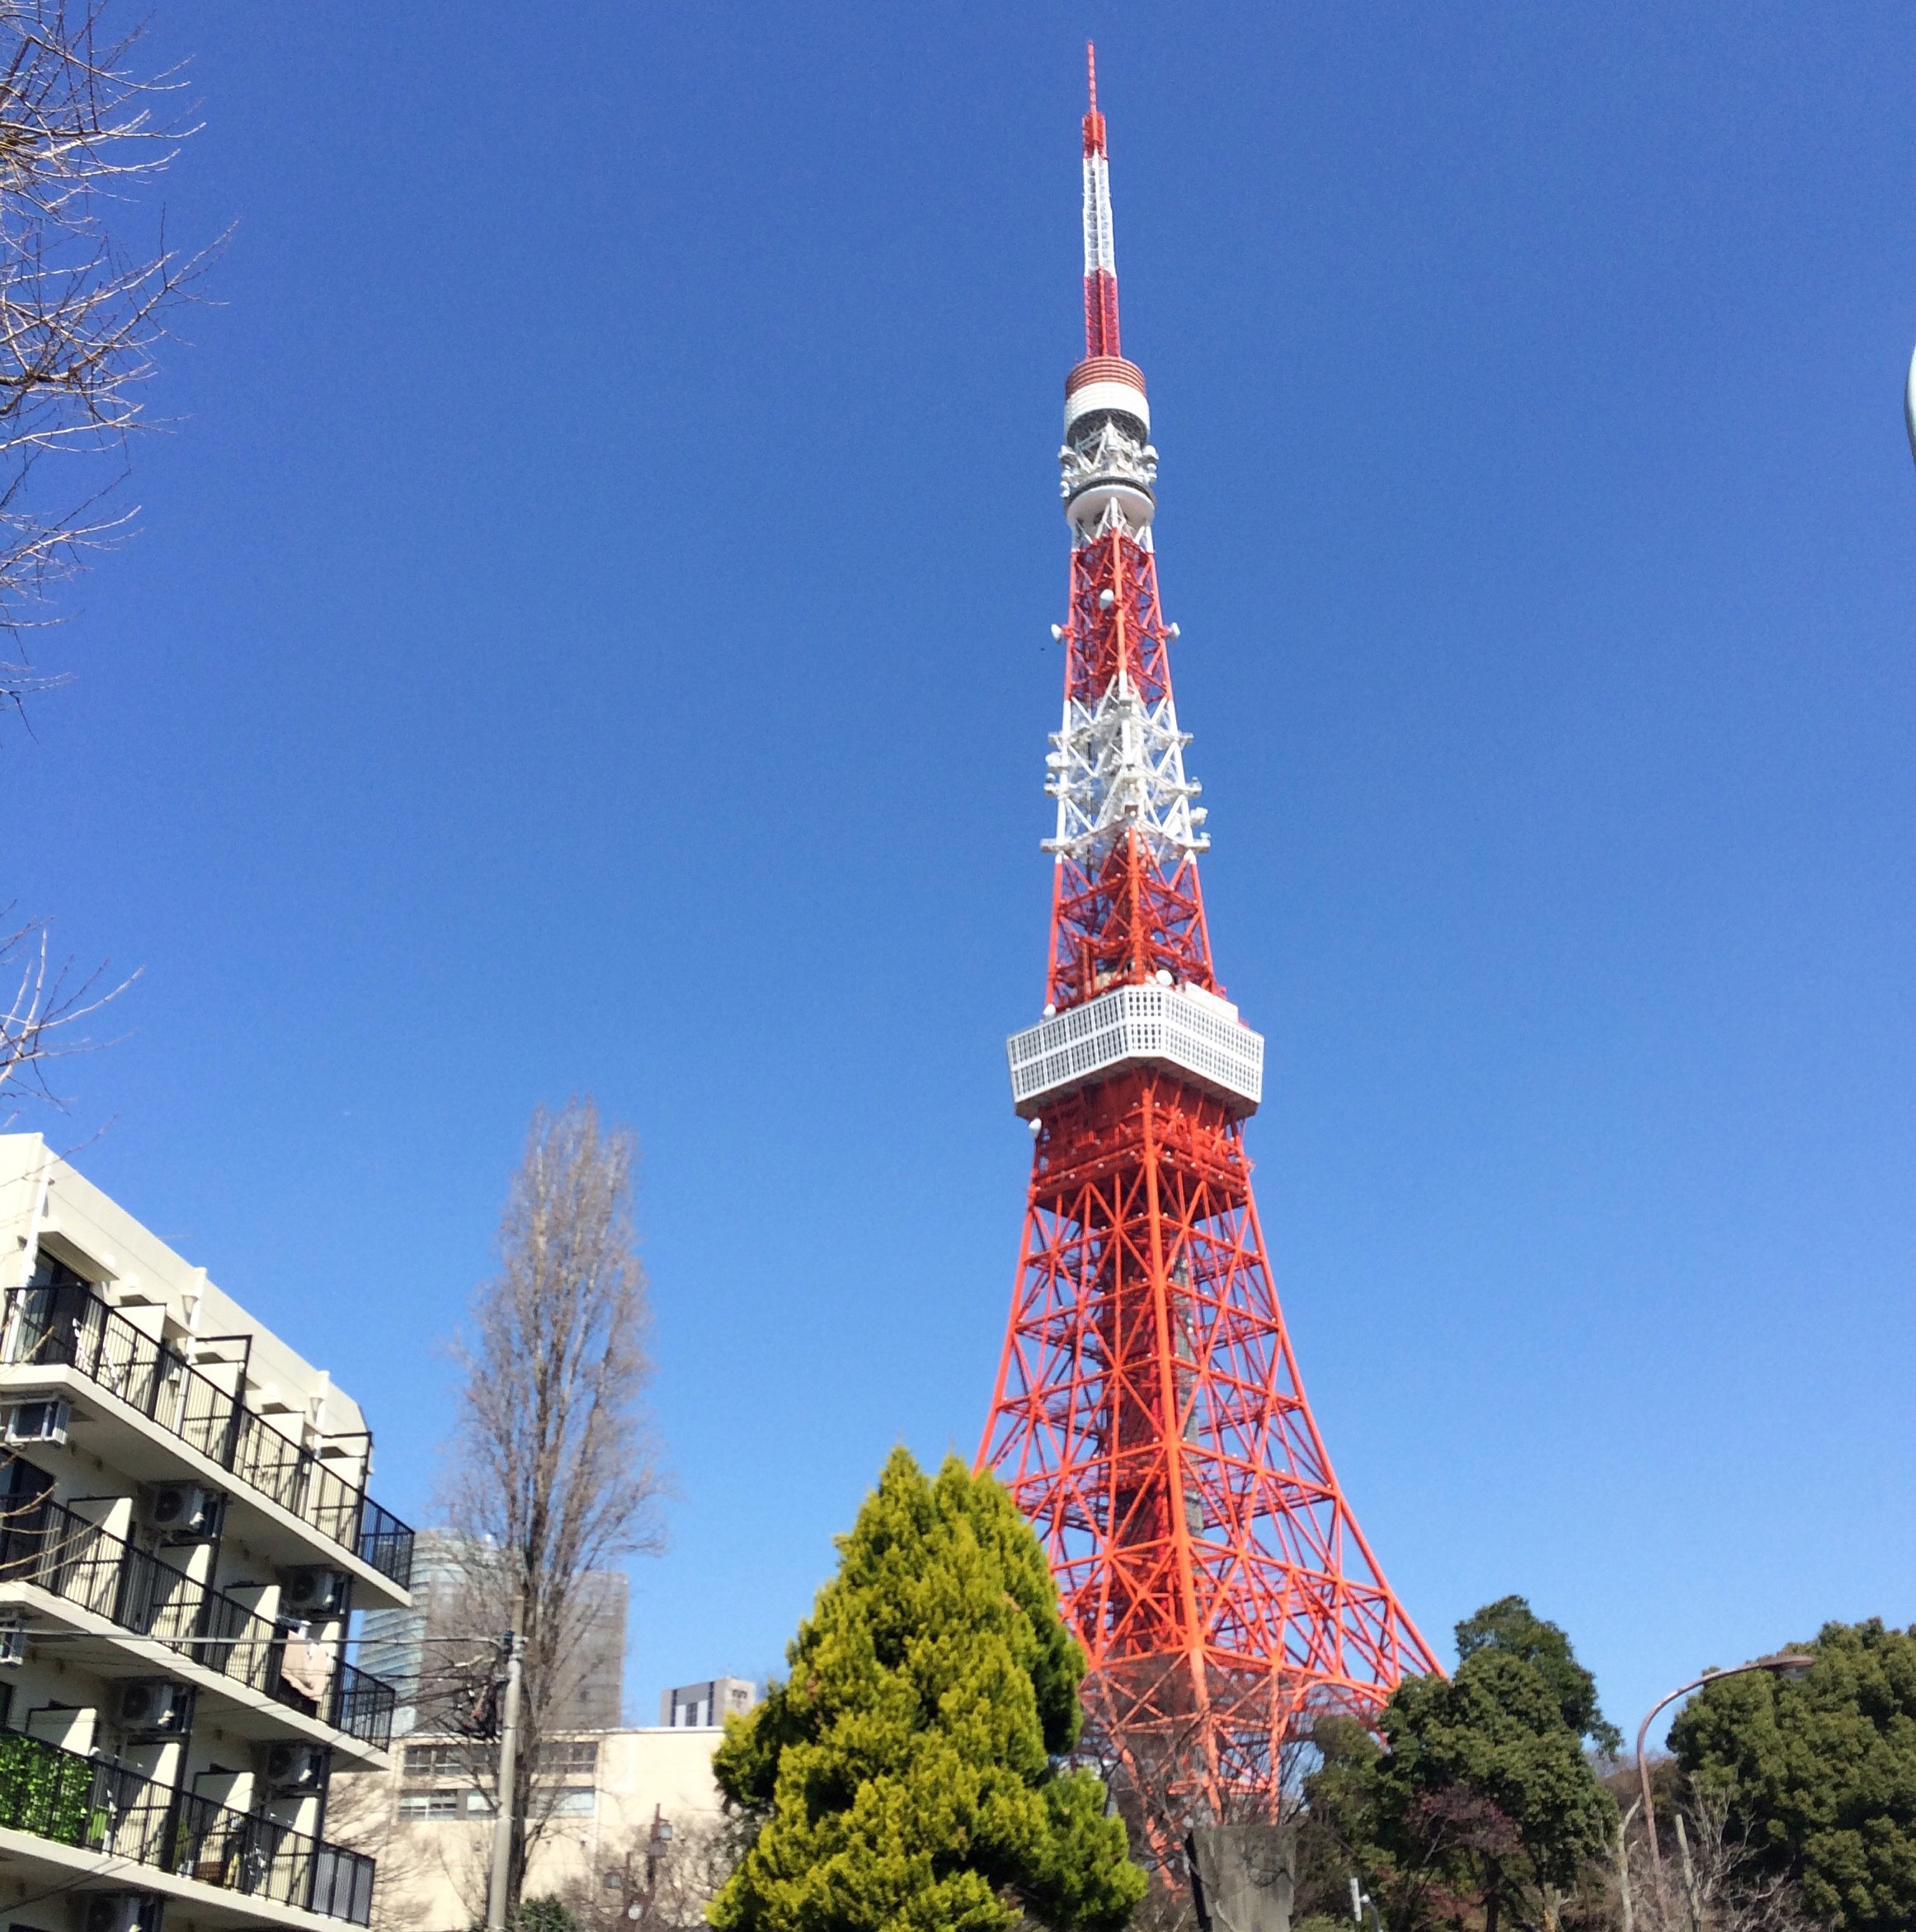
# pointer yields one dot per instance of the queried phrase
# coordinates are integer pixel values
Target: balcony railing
(73, 1328)
(96, 1806)
(48, 1545)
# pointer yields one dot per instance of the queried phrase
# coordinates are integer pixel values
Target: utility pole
(503, 1817)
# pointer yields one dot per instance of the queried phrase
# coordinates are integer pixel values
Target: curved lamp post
(1786, 1664)
(1909, 405)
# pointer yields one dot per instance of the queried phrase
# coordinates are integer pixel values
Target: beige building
(184, 1534)
(629, 1818)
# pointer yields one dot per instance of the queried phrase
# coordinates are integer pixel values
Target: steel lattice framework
(1148, 1418)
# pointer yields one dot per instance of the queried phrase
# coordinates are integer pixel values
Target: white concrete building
(183, 1535)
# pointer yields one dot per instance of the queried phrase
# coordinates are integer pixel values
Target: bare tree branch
(81, 308)
(43, 1003)
(1711, 1880)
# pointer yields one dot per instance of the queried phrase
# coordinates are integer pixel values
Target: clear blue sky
(589, 632)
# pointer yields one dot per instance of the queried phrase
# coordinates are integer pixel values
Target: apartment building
(184, 1534)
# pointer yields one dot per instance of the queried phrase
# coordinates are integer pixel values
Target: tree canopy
(1482, 1796)
(1511, 1627)
(1819, 1771)
(905, 1774)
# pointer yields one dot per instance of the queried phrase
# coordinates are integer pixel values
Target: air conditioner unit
(154, 1707)
(38, 1421)
(183, 1512)
(121, 1911)
(314, 1594)
(290, 1770)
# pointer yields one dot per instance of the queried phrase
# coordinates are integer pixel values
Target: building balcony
(89, 1814)
(68, 1331)
(92, 1584)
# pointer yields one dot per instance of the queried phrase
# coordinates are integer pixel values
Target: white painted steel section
(1098, 251)
(1116, 764)
(1126, 398)
(1178, 1027)
(1109, 465)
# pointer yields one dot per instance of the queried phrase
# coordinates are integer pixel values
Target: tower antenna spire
(1101, 262)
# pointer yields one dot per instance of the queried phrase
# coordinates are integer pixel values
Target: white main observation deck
(1196, 1033)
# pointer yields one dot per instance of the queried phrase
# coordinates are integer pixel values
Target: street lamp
(1909, 405)
(1768, 1663)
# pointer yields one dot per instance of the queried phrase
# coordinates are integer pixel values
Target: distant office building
(417, 1650)
(595, 1698)
(697, 1706)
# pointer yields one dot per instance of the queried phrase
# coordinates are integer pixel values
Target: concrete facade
(626, 1814)
(184, 1536)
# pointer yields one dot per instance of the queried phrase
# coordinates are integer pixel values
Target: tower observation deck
(1148, 1416)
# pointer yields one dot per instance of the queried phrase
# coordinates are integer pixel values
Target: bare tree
(553, 1470)
(670, 1881)
(1713, 1883)
(44, 1002)
(82, 306)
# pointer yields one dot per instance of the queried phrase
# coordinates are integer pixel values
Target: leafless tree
(45, 1010)
(670, 1883)
(552, 1471)
(1714, 1883)
(83, 305)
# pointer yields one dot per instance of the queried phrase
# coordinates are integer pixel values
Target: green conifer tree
(906, 1775)
(1819, 1773)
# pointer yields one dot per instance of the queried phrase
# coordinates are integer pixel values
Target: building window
(478, 1805)
(574, 1802)
(448, 1760)
(433, 1805)
(568, 1757)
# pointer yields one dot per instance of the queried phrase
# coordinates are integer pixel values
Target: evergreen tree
(905, 1775)
(1819, 1772)
(1511, 1626)
(1482, 1798)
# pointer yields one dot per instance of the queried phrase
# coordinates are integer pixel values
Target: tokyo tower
(1148, 1418)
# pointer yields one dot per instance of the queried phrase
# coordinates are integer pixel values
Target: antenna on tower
(1100, 257)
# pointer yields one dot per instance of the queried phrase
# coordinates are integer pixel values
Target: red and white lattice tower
(1148, 1418)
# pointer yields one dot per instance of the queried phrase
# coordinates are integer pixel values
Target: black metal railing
(361, 1705)
(72, 1327)
(95, 1805)
(48, 1545)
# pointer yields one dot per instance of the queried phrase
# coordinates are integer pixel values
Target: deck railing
(74, 1328)
(49, 1544)
(96, 1806)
